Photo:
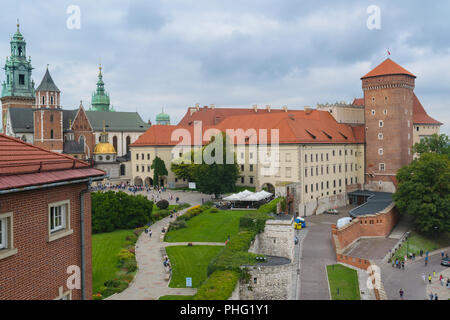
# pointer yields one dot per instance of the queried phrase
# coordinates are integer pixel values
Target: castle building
(323, 153)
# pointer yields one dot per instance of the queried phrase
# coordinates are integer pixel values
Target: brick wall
(39, 267)
(377, 225)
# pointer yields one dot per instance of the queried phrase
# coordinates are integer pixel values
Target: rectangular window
(242, 179)
(58, 218)
(382, 168)
(288, 172)
(251, 180)
(3, 233)
(288, 157)
(148, 168)
(306, 158)
(306, 188)
(142, 156)
(137, 168)
(306, 172)
(21, 79)
(137, 156)
(242, 167)
(251, 167)
(148, 156)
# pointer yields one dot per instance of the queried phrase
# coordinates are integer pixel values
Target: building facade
(45, 226)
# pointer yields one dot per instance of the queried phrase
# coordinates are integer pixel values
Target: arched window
(115, 143)
(128, 142)
(51, 134)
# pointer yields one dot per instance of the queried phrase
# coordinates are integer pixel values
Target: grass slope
(346, 280)
(208, 227)
(190, 262)
(105, 247)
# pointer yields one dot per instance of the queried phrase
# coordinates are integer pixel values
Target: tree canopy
(434, 143)
(212, 175)
(159, 169)
(423, 192)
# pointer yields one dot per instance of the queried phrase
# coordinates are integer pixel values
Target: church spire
(100, 99)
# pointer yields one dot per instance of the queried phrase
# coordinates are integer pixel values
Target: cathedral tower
(48, 116)
(100, 99)
(18, 88)
(388, 99)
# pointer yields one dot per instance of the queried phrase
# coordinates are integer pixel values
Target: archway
(148, 181)
(268, 187)
(137, 181)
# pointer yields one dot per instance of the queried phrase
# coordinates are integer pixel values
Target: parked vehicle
(331, 211)
(445, 262)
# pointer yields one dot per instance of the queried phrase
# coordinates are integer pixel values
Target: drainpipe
(83, 263)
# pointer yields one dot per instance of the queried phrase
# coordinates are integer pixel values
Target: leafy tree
(434, 143)
(215, 178)
(423, 192)
(118, 210)
(159, 169)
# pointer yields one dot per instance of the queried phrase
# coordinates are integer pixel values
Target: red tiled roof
(295, 126)
(213, 116)
(420, 116)
(358, 102)
(22, 164)
(387, 67)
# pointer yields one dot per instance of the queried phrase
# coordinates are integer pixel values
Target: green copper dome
(100, 99)
(162, 118)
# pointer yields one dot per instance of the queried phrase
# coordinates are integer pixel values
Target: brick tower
(388, 97)
(48, 116)
(18, 88)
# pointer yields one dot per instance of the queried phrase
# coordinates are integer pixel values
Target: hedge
(219, 286)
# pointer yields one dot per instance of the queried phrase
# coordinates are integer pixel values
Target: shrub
(112, 283)
(270, 207)
(175, 225)
(130, 265)
(124, 254)
(162, 204)
(164, 213)
(219, 286)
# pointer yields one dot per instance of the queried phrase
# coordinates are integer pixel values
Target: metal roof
(376, 202)
(47, 83)
(117, 121)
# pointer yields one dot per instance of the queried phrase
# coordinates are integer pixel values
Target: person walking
(150, 233)
(434, 274)
(403, 265)
(431, 295)
(401, 292)
(426, 261)
(436, 296)
(429, 278)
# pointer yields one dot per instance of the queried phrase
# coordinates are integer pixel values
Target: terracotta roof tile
(33, 164)
(420, 116)
(387, 67)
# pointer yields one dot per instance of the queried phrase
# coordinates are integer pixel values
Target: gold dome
(104, 148)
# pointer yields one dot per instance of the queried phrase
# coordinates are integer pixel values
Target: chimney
(212, 106)
(308, 110)
(268, 108)
(255, 107)
(285, 108)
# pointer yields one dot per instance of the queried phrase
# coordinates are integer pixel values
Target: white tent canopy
(248, 196)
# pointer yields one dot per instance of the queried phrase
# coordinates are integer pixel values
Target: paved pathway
(410, 279)
(150, 281)
(437, 288)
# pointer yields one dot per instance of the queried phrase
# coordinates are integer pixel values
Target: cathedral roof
(47, 83)
(387, 67)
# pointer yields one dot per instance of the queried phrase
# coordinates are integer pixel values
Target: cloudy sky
(173, 53)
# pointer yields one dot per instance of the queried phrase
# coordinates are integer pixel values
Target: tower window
(382, 167)
(381, 123)
(51, 118)
(380, 136)
(43, 100)
(51, 134)
(380, 151)
(21, 79)
(373, 112)
(51, 100)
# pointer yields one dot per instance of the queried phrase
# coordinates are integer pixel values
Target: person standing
(429, 278)
(426, 261)
(436, 296)
(150, 233)
(401, 293)
(424, 278)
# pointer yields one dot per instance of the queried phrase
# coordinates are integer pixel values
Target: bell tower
(48, 116)
(18, 87)
(388, 100)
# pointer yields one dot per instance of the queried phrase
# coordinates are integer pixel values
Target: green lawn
(105, 247)
(190, 262)
(418, 241)
(208, 227)
(344, 279)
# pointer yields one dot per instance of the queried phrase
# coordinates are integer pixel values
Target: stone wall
(267, 283)
(276, 240)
